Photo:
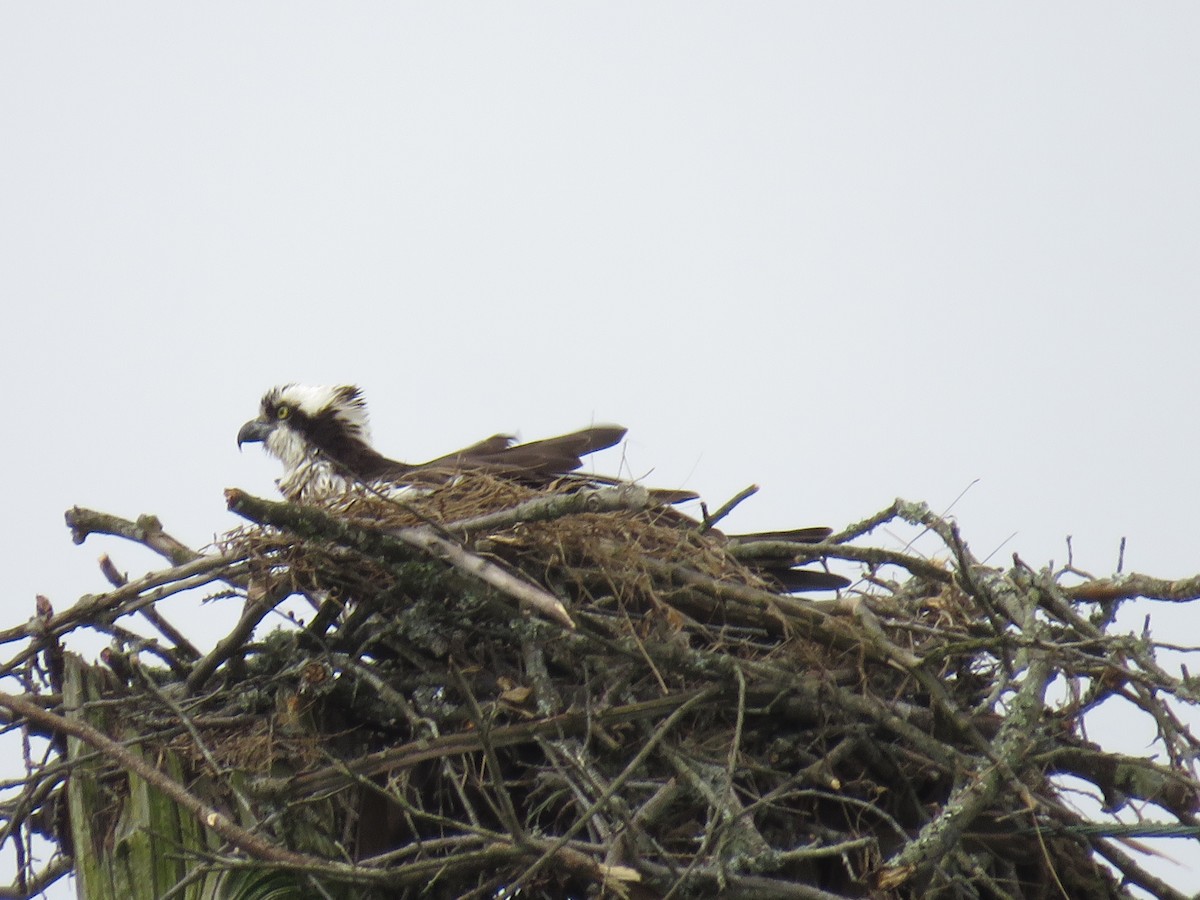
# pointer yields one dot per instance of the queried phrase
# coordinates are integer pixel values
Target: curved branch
(147, 531)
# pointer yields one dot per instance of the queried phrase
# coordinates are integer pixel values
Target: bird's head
(299, 424)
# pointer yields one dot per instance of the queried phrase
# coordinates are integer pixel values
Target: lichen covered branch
(671, 721)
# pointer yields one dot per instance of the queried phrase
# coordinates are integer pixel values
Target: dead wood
(579, 692)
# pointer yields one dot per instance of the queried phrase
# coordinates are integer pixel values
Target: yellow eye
(282, 412)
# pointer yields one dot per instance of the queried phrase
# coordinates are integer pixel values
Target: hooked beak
(253, 431)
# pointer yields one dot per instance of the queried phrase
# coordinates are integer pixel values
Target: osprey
(321, 436)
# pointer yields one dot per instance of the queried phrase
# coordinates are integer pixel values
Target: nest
(578, 691)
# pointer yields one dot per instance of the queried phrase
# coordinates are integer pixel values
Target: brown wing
(497, 443)
(536, 461)
(813, 535)
(789, 581)
(769, 554)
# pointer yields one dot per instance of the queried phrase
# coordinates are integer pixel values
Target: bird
(322, 436)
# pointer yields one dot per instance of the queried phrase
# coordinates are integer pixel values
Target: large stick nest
(573, 692)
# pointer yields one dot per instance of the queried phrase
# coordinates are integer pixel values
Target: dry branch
(671, 724)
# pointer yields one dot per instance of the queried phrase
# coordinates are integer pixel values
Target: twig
(115, 602)
(408, 755)
(1129, 868)
(424, 538)
(54, 870)
(653, 741)
(118, 579)
(727, 507)
(252, 614)
(508, 812)
(147, 531)
(1133, 585)
(916, 860)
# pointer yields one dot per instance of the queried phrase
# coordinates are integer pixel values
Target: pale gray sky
(846, 251)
